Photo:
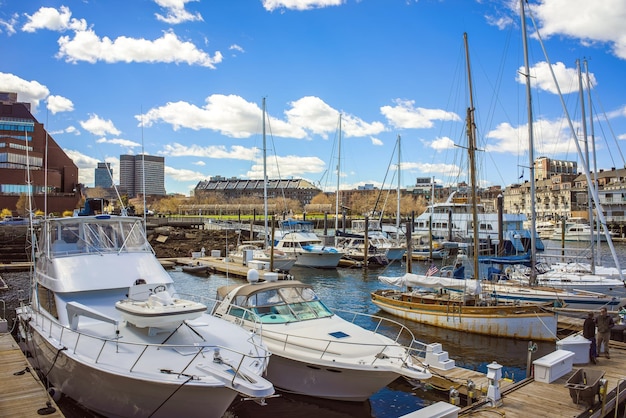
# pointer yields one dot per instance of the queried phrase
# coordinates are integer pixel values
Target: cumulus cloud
(52, 19)
(182, 174)
(441, 143)
(89, 47)
(119, 141)
(587, 21)
(58, 104)
(271, 5)
(99, 126)
(176, 12)
(27, 91)
(376, 141)
(85, 164)
(541, 77)
(405, 116)
(235, 117)
(551, 137)
(236, 152)
(287, 166)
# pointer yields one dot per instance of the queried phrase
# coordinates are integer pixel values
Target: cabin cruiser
(297, 238)
(315, 351)
(250, 252)
(106, 326)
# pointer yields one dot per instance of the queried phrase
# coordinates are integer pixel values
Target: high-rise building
(25, 144)
(133, 170)
(103, 175)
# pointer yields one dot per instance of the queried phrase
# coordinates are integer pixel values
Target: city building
(25, 144)
(135, 168)
(233, 188)
(103, 175)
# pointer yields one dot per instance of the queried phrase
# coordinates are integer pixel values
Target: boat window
(287, 305)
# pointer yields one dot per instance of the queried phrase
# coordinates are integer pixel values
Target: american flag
(432, 270)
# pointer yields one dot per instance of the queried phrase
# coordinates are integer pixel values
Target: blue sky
(185, 80)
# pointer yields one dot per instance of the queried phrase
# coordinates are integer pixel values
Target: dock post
(494, 375)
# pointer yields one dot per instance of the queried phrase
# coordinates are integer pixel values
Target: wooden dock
(223, 266)
(530, 398)
(21, 392)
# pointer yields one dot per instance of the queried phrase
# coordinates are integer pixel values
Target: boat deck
(21, 395)
(532, 398)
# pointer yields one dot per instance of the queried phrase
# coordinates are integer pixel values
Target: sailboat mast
(264, 178)
(586, 162)
(593, 153)
(531, 153)
(338, 175)
(398, 192)
(471, 149)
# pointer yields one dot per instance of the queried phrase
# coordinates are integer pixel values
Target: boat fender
(55, 393)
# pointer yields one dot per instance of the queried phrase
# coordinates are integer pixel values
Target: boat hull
(327, 382)
(509, 321)
(318, 259)
(115, 395)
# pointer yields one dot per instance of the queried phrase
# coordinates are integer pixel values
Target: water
(349, 289)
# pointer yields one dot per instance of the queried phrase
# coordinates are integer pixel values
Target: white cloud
(236, 152)
(199, 163)
(86, 165)
(551, 137)
(176, 12)
(184, 175)
(450, 170)
(590, 22)
(271, 5)
(441, 143)
(376, 141)
(27, 91)
(541, 77)
(287, 166)
(119, 141)
(53, 19)
(99, 126)
(405, 116)
(87, 46)
(8, 26)
(235, 47)
(58, 104)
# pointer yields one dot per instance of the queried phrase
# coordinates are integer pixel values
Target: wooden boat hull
(512, 321)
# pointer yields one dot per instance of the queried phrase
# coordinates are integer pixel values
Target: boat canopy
(469, 286)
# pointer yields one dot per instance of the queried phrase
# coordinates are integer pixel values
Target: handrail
(83, 339)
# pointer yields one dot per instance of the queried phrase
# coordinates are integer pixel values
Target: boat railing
(92, 348)
(386, 327)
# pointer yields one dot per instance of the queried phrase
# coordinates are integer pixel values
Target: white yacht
(577, 231)
(297, 238)
(250, 252)
(392, 250)
(315, 351)
(107, 328)
(452, 221)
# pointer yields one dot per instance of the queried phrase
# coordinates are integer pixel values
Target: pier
(22, 394)
(532, 398)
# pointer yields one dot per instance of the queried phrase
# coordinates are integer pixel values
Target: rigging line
(606, 118)
(282, 189)
(385, 178)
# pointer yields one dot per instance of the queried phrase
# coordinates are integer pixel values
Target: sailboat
(275, 260)
(465, 310)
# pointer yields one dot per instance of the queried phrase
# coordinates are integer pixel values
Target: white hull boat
(121, 349)
(316, 352)
(299, 240)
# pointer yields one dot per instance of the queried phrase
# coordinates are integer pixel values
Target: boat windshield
(287, 304)
(97, 236)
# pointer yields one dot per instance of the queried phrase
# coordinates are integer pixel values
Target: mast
(595, 163)
(471, 149)
(264, 179)
(531, 151)
(398, 193)
(338, 175)
(586, 162)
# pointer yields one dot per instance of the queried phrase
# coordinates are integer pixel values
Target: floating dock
(222, 265)
(533, 398)
(22, 394)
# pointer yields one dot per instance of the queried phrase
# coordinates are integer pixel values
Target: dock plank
(21, 395)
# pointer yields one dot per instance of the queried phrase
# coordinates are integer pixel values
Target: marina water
(349, 289)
